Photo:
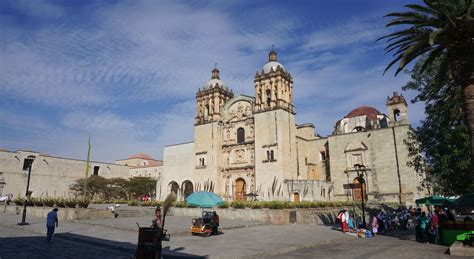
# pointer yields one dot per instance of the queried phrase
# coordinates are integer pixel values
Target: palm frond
(411, 53)
(436, 53)
(422, 9)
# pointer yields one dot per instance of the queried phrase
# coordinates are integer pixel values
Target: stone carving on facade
(239, 156)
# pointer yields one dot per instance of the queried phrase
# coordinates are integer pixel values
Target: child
(374, 224)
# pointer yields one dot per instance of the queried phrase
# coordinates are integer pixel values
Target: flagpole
(87, 166)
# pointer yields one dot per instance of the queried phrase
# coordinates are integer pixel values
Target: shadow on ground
(67, 245)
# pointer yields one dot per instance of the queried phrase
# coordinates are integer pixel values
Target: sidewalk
(251, 241)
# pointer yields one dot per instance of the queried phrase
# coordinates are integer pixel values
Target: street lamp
(360, 169)
(28, 163)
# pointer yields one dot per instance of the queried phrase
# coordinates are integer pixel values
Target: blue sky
(126, 72)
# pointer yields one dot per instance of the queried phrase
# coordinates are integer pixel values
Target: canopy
(435, 201)
(465, 201)
(204, 199)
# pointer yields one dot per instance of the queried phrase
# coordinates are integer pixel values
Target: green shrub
(83, 203)
(60, 202)
(237, 205)
(19, 201)
(224, 206)
(48, 202)
(70, 203)
(37, 201)
(133, 203)
(255, 205)
(180, 204)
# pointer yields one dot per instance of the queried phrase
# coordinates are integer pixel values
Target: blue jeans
(50, 233)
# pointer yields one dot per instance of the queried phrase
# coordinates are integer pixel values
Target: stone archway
(173, 187)
(240, 189)
(187, 188)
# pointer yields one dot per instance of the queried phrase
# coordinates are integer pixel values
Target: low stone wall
(64, 214)
(285, 216)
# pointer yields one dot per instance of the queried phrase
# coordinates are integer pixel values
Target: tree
(440, 145)
(115, 188)
(95, 185)
(137, 186)
(444, 30)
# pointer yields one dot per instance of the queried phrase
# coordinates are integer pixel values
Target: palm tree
(440, 29)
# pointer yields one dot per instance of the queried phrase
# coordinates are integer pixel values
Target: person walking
(51, 223)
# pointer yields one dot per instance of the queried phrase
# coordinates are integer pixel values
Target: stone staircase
(128, 212)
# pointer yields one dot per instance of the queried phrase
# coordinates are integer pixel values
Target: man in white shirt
(51, 223)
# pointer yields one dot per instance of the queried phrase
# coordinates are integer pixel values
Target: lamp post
(360, 169)
(29, 162)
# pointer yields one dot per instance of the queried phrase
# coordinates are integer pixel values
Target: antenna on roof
(215, 65)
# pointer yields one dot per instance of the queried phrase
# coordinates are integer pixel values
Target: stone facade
(247, 147)
(50, 176)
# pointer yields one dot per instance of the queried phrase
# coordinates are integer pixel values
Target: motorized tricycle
(205, 226)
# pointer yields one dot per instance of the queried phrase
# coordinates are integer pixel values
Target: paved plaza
(117, 238)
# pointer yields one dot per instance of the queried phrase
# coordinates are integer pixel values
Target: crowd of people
(426, 225)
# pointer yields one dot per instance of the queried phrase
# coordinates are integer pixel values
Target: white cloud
(155, 54)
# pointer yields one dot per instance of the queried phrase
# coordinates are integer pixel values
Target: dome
(142, 156)
(212, 82)
(272, 65)
(368, 111)
(215, 80)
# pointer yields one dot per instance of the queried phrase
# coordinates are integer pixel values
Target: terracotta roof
(370, 112)
(142, 156)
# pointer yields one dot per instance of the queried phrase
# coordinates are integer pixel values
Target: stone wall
(50, 176)
(64, 214)
(285, 216)
(376, 150)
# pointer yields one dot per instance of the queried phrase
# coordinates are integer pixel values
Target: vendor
(156, 222)
(215, 223)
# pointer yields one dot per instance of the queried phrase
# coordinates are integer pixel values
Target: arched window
(396, 115)
(240, 135)
(358, 128)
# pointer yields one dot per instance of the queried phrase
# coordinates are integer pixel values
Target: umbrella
(434, 201)
(465, 201)
(204, 199)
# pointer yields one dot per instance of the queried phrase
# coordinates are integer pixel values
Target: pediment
(355, 146)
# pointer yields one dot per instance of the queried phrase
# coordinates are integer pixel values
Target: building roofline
(184, 143)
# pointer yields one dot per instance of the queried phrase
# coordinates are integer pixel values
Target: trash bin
(149, 243)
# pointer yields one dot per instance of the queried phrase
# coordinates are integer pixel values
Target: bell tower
(211, 98)
(397, 110)
(273, 86)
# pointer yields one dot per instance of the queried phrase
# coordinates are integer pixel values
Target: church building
(249, 147)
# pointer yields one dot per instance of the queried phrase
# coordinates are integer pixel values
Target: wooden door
(357, 191)
(296, 197)
(240, 189)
